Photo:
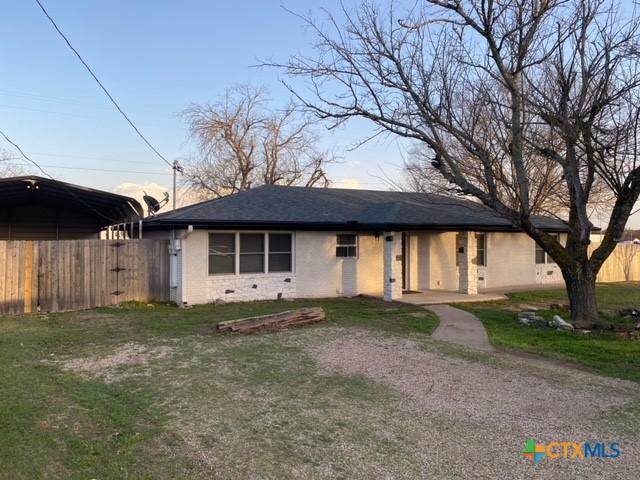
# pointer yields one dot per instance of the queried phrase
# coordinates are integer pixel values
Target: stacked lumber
(275, 321)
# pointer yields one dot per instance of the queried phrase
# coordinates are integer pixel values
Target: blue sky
(155, 57)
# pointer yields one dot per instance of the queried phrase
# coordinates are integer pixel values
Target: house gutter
(350, 226)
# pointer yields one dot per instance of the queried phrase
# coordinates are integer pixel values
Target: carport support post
(468, 270)
(392, 266)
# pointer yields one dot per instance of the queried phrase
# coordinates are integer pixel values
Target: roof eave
(168, 224)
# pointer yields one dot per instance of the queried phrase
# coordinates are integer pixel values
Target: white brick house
(292, 242)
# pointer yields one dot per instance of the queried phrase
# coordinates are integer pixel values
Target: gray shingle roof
(334, 208)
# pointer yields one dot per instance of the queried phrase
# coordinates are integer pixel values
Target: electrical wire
(44, 172)
(106, 170)
(88, 157)
(104, 89)
(76, 102)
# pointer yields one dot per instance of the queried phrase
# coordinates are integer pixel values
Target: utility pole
(177, 168)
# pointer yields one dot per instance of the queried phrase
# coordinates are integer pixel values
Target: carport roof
(107, 208)
(305, 208)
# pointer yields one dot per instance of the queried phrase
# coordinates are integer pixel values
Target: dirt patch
(475, 390)
(460, 407)
(106, 367)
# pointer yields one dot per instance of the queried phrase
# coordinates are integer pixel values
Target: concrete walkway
(436, 297)
(460, 327)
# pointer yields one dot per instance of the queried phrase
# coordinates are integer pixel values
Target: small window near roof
(279, 252)
(222, 253)
(346, 245)
(251, 253)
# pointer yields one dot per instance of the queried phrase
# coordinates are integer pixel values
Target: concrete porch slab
(436, 297)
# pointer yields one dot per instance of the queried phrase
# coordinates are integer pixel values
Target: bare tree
(552, 199)
(244, 144)
(500, 93)
(8, 167)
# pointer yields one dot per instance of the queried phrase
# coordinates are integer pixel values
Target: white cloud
(352, 183)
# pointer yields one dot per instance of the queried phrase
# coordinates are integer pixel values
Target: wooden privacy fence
(623, 265)
(53, 276)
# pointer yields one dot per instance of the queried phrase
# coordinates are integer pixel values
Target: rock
(560, 323)
(629, 313)
(525, 317)
(529, 308)
(559, 306)
(219, 301)
(582, 330)
(530, 318)
(537, 321)
(638, 326)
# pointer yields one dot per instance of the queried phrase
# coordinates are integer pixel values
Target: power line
(24, 155)
(72, 101)
(104, 89)
(87, 157)
(17, 147)
(98, 169)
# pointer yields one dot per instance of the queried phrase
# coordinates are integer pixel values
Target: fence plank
(623, 265)
(51, 276)
(28, 278)
(3, 270)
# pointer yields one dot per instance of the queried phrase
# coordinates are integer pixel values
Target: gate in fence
(53, 276)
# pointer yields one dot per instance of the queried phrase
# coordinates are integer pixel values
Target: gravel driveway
(470, 418)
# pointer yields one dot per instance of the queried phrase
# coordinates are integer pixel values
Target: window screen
(222, 253)
(251, 253)
(279, 252)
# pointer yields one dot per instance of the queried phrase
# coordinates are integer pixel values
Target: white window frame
(235, 253)
(268, 251)
(265, 233)
(356, 245)
(263, 253)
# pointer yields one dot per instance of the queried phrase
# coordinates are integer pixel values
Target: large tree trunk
(581, 288)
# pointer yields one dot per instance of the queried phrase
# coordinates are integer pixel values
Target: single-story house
(37, 208)
(295, 242)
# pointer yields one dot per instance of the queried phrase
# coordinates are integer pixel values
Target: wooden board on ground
(274, 321)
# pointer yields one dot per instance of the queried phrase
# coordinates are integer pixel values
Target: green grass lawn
(57, 423)
(606, 353)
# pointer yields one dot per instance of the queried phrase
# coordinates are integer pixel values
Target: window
(279, 252)
(481, 249)
(233, 253)
(542, 256)
(346, 245)
(222, 253)
(251, 253)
